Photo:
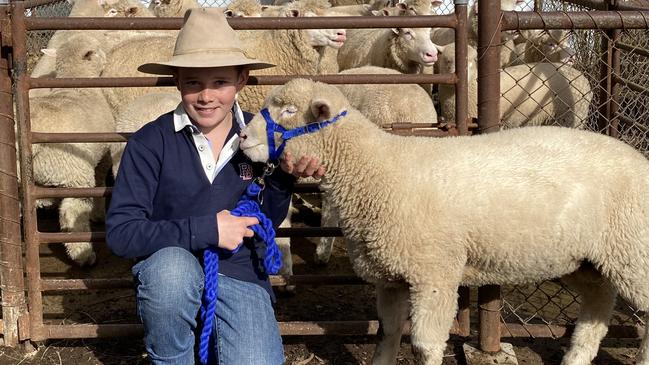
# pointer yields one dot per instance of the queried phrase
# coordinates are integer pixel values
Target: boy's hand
(305, 167)
(233, 229)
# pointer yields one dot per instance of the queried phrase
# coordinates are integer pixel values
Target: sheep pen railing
(619, 103)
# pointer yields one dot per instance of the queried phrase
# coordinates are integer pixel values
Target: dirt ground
(306, 303)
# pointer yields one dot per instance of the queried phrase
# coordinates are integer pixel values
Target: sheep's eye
(408, 34)
(288, 111)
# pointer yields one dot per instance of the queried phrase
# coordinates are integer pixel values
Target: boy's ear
(244, 75)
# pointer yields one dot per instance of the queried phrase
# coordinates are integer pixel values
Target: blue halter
(272, 127)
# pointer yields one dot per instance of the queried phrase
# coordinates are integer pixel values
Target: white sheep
(45, 67)
(407, 50)
(123, 60)
(73, 164)
(243, 8)
(514, 207)
(543, 46)
(172, 8)
(531, 94)
(382, 105)
(294, 51)
(142, 110)
(445, 36)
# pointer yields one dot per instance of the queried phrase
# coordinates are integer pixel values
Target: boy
(179, 177)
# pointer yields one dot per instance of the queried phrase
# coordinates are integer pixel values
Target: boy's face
(208, 93)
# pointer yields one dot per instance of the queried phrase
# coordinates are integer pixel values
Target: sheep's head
(316, 37)
(415, 43)
(298, 104)
(447, 59)
(243, 8)
(80, 56)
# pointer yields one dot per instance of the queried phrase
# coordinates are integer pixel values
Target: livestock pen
(610, 49)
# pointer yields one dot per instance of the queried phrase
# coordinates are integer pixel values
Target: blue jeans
(169, 288)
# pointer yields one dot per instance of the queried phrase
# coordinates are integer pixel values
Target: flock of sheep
(445, 249)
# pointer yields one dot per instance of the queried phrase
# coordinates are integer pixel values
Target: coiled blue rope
(247, 206)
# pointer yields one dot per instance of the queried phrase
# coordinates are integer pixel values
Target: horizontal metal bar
(125, 283)
(633, 49)
(347, 22)
(630, 84)
(575, 20)
(320, 328)
(447, 79)
(39, 137)
(293, 328)
(58, 237)
(39, 192)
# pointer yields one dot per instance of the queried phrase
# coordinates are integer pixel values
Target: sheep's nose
(242, 136)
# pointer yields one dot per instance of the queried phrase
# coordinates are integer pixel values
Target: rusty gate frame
(19, 324)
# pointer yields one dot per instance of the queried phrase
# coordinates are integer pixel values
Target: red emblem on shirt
(245, 171)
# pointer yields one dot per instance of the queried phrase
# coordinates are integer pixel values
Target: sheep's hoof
(81, 253)
(286, 290)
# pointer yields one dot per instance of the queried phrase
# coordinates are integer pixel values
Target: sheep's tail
(247, 206)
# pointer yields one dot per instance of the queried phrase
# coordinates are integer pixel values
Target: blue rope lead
(248, 207)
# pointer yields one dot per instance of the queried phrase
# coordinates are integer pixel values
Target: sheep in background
(294, 51)
(123, 60)
(407, 50)
(551, 45)
(142, 110)
(445, 36)
(243, 8)
(559, 187)
(45, 67)
(531, 94)
(172, 8)
(126, 8)
(73, 164)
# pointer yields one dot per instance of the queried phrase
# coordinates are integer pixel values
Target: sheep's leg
(597, 302)
(643, 354)
(98, 214)
(433, 308)
(329, 218)
(392, 308)
(284, 245)
(74, 216)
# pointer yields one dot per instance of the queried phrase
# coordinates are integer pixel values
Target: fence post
(489, 44)
(12, 285)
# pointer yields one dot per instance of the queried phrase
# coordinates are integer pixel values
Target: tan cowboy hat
(205, 40)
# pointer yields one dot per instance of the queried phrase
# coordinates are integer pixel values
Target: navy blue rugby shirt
(163, 198)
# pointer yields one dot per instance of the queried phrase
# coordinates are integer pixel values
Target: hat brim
(202, 61)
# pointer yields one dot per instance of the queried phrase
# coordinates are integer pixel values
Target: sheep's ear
(321, 108)
(396, 31)
(436, 4)
(375, 12)
(292, 13)
(88, 56)
(402, 6)
(49, 52)
(384, 12)
(131, 11)
(229, 13)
